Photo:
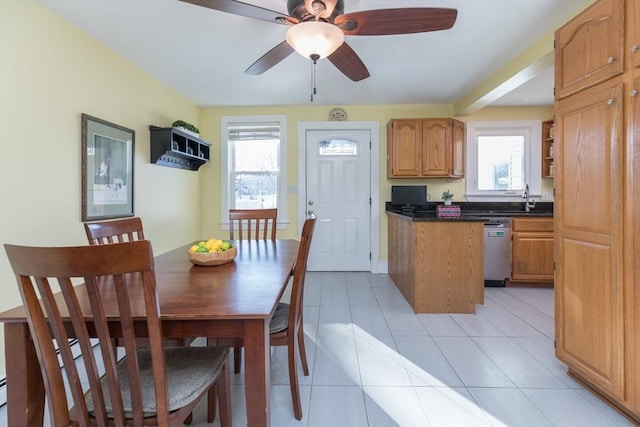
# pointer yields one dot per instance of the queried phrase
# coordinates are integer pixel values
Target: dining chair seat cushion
(280, 320)
(190, 370)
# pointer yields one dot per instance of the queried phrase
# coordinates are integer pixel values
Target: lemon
(193, 248)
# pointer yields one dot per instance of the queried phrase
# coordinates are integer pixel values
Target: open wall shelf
(548, 136)
(174, 148)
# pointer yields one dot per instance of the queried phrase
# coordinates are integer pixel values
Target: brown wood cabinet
(597, 203)
(532, 249)
(425, 148)
(590, 50)
(447, 277)
(634, 37)
(548, 149)
(632, 280)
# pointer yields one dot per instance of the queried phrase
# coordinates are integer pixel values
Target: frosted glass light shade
(315, 38)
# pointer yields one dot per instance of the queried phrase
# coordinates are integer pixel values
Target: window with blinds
(254, 165)
(254, 175)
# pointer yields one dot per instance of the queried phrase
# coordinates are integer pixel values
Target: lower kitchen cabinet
(438, 266)
(532, 250)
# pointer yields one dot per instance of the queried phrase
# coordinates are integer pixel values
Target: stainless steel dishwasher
(497, 251)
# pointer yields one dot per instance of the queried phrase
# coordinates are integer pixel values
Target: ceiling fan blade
(382, 22)
(349, 63)
(271, 58)
(244, 9)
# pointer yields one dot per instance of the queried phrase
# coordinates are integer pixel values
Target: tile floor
(375, 363)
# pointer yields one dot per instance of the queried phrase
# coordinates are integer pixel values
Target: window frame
(225, 122)
(532, 132)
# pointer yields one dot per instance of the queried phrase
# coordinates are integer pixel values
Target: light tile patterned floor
(374, 363)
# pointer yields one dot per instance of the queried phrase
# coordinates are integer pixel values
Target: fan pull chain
(314, 59)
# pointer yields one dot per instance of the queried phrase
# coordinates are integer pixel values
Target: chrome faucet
(529, 203)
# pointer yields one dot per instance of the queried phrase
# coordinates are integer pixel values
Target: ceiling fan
(318, 28)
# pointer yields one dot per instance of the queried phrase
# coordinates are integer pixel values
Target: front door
(338, 182)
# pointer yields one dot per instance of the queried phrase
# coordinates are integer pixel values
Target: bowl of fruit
(212, 252)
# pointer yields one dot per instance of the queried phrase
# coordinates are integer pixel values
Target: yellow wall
(210, 123)
(50, 73)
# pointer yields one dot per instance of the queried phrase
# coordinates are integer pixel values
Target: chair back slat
(117, 273)
(299, 274)
(116, 231)
(80, 331)
(259, 223)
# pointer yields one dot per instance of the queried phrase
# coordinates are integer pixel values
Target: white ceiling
(202, 53)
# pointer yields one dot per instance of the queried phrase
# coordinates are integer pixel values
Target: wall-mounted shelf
(548, 136)
(176, 149)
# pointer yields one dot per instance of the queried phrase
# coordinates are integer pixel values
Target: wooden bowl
(213, 258)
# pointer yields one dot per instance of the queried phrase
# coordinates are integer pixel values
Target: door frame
(374, 183)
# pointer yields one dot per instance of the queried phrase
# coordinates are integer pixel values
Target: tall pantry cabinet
(597, 202)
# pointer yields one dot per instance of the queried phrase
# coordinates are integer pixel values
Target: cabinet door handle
(611, 59)
(634, 92)
(611, 101)
(634, 48)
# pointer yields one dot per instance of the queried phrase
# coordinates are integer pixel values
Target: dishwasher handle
(497, 223)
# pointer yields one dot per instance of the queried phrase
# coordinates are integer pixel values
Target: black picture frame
(107, 169)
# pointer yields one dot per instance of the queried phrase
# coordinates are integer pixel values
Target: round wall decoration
(337, 114)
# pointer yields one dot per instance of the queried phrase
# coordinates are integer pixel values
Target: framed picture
(107, 169)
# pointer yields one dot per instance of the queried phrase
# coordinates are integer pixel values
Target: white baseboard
(75, 348)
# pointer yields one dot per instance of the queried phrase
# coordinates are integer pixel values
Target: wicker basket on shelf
(213, 258)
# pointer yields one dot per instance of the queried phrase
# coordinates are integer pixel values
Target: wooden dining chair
(115, 231)
(120, 231)
(150, 386)
(250, 223)
(286, 326)
(129, 230)
(261, 221)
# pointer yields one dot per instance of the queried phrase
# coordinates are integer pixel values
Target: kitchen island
(437, 264)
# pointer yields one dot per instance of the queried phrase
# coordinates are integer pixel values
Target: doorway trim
(374, 183)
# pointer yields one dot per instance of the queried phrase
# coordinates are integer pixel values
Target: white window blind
(254, 167)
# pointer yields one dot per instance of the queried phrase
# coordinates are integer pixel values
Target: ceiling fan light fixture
(315, 38)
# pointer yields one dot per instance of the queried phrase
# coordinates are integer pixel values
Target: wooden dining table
(231, 300)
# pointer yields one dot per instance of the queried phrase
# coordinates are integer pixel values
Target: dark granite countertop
(474, 211)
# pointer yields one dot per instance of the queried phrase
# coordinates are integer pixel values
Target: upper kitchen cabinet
(591, 49)
(457, 149)
(425, 148)
(404, 149)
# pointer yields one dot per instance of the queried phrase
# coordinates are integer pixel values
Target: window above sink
(502, 157)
